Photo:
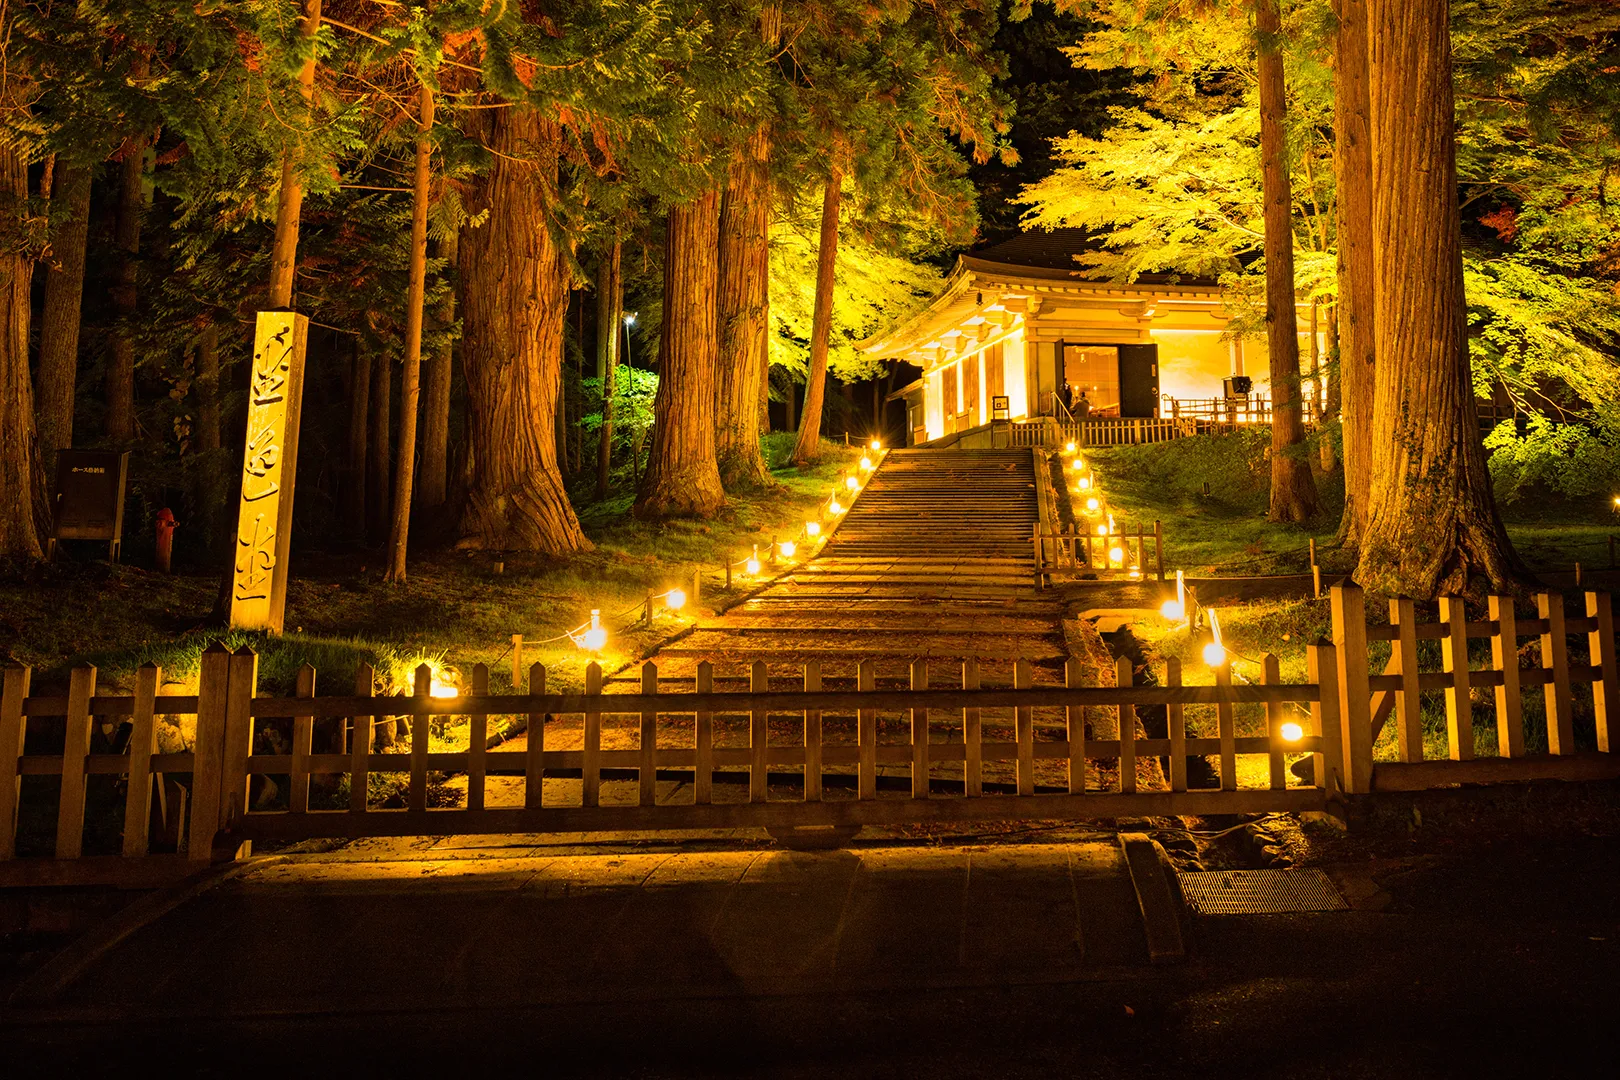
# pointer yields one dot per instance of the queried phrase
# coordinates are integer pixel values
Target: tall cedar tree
(609, 328)
(19, 463)
(1352, 174)
(1432, 524)
(1293, 492)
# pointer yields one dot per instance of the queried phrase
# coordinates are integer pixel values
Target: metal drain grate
(1260, 892)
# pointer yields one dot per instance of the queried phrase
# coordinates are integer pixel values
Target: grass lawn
(455, 610)
(1225, 532)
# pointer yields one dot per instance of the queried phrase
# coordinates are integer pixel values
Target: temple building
(1019, 321)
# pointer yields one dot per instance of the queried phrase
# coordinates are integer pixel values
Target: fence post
(972, 735)
(421, 734)
(1606, 687)
(1127, 729)
(1024, 729)
(208, 751)
(1271, 675)
(812, 735)
(1459, 696)
(234, 783)
(1322, 668)
(517, 663)
(1555, 657)
(13, 727)
(647, 763)
(478, 740)
(360, 736)
(1505, 658)
(75, 748)
(1226, 725)
(1177, 723)
(590, 768)
(303, 744)
(1355, 696)
(919, 734)
(866, 734)
(703, 776)
(1408, 701)
(1075, 717)
(142, 745)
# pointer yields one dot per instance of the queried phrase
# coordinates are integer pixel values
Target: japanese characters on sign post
(264, 521)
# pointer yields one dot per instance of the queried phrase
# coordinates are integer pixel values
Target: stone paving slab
(312, 932)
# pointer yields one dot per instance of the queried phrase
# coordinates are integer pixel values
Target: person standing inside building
(1081, 407)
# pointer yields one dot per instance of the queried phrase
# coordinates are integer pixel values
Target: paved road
(1500, 961)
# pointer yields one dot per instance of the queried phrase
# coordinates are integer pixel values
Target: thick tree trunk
(1293, 492)
(120, 387)
(359, 440)
(809, 441)
(791, 404)
(1432, 524)
(514, 294)
(435, 470)
(379, 457)
(1330, 376)
(56, 381)
(765, 384)
(682, 478)
(410, 389)
(208, 437)
(744, 318)
(609, 317)
(20, 476)
(290, 197)
(1353, 216)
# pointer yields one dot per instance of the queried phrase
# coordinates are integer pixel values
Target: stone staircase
(934, 561)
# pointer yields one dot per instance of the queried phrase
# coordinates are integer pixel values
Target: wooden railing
(1124, 431)
(1034, 432)
(939, 738)
(1127, 554)
(1372, 698)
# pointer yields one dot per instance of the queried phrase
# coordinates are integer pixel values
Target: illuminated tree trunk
(20, 478)
(290, 196)
(809, 441)
(435, 470)
(744, 318)
(410, 383)
(120, 385)
(514, 295)
(1354, 312)
(1432, 524)
(609, 318)
(1293, 492)
(682, 478)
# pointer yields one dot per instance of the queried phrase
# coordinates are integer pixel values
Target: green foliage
(1569, 462)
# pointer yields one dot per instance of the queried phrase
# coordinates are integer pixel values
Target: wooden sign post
(264, 521)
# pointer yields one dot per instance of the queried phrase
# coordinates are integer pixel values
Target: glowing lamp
(443, 690)
(675, 599)
(812, 529)
(1116, 554)
(1173, 610)
(876, 444)
(1092, 504)
(1102, 530)
(866, 464)
(1134, 574)
(752, 566)
(1291, 732)
(835, 507)
(1085, 483)
(1214, 654)
(595, 636)
(1069, 448)
(851, 483)
(788, 548)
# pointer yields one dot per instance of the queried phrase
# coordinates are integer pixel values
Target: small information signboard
(89, 497)
(1000, 406)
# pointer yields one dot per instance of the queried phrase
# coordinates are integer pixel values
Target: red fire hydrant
(165, 538)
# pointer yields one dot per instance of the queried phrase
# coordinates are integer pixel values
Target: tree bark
(435, 469)
(290, 196)
(380, 452)
(410, 388)
(744, 317)
(56, 381)
(1353, 213)
(609, 317)
(20, 476)
(682, 478)
(359, 440)
(208, 437)
(1432, 524)
(120, 387)
(809, 441)
(514, 293)
(1293, 492)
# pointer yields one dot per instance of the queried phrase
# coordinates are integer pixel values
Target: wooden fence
(1368, 700)
(1072, 549)
(932, 736)
(808, 756)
